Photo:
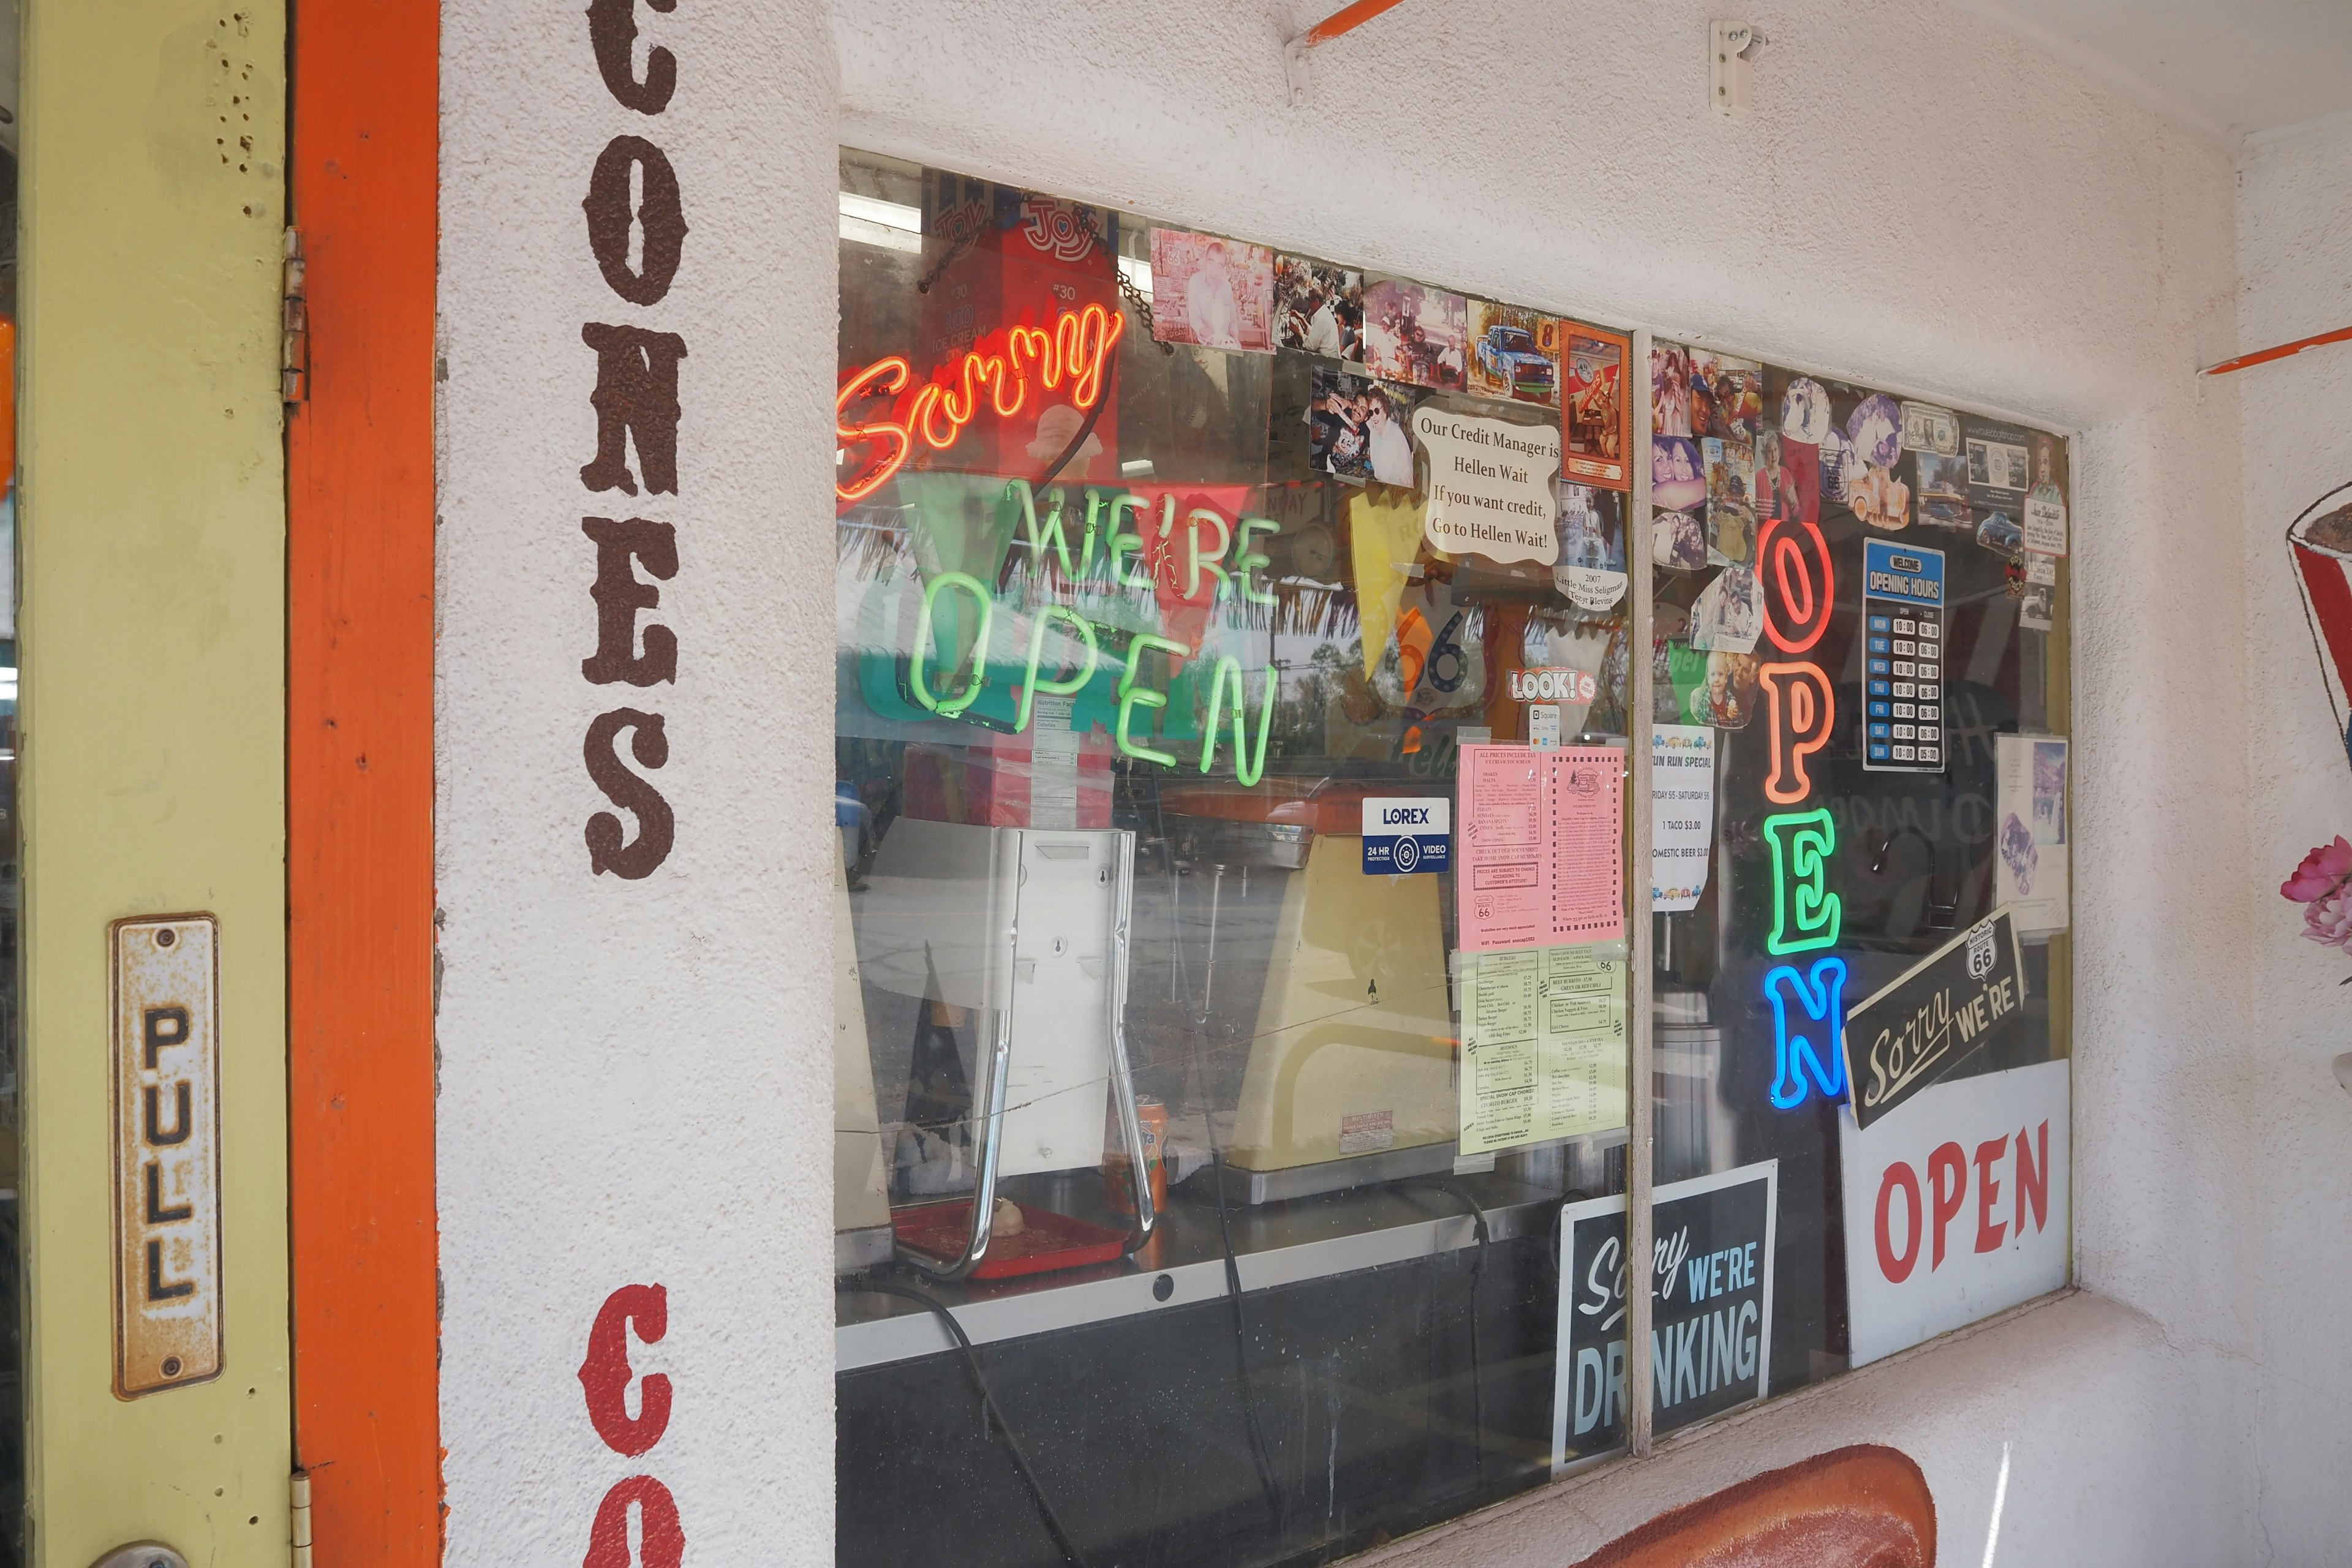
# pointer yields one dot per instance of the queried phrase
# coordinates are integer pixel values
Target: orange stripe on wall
(359, 784)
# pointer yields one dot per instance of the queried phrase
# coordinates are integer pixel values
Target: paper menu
(1543, 1044)
(1682, 814)
(1541, 847)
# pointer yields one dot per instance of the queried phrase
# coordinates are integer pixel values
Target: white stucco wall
(632, 1085)
(633, 1074)
(2294, 238)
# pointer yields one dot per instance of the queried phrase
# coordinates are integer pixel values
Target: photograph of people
(1416, 334)
(1728, 700)
(1390, 450)
(1318, 307)
(1726, 618)
(1776, 485)
(1337, 440)
(1730, 516)
(1595, 374)
(1216, 293)
(1805, 411)
(1880, 499)
(1211, 309)
(1677, 476)
(1587, 538)
(1875, 430)
(1670, 404)
(1678, 541)
(2046, 468)
(1735, 389)
(2045, 503)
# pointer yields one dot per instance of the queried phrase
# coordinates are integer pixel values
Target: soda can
(1151, 1117)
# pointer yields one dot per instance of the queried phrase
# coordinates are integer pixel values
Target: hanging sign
(1902, 614)
(1955, 1205)
(1710, 1282)
(1948, 1007)
(1490, 485)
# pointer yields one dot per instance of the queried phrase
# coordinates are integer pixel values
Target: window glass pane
(1179, 585)
(1860, 689)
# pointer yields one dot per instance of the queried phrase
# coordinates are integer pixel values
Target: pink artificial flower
(2328, 921)
(2322, 872)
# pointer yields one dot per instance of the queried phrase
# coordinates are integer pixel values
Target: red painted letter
(1989, 1232)
(608, 1537)
(1946, 1161)
(605, 1377)
(2033, 1180)
(1898, 1269)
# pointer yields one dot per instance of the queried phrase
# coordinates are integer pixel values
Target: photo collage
(1366, 351)
(1740, 455)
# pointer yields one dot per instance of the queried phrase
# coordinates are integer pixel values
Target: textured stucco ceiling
(2228, 67)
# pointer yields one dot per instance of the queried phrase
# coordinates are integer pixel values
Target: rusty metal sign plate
(167, 1210)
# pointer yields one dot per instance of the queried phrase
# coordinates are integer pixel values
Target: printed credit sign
(1710, 1284)
(1408, 834)
(167, 1211)
(1945, 1009)
(1903, 617)
(1490, 485)
(1955, 1205)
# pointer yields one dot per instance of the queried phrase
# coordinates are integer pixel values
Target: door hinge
(294, 355)
(299, 1513)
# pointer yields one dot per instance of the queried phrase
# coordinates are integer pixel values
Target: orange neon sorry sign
(994, 374)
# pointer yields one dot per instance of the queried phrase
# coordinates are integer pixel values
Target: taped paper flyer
(1543, 1044)
(1541, 847)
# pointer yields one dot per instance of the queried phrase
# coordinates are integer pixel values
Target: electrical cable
(1477, 1272)
(989, 1407)
(1266, 1482)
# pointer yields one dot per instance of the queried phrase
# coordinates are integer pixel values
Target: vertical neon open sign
(1793, 560)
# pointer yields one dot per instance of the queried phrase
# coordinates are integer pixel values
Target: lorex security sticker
(1408, 833)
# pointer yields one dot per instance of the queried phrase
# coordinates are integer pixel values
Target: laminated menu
(1543, 1044)
(1541, 847)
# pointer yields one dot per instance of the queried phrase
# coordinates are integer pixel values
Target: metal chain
(1141, 306)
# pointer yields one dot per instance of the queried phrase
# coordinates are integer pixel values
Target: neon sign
(1075, 349)
(1198, 549)
(1808, 1057)
(1793, 564)
(1805, 913)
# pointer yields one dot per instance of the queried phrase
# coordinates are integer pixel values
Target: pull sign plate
(166, 1081)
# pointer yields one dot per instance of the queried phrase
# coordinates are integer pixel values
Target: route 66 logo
(1980, 951)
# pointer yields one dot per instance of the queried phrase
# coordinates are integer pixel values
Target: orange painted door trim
(363, 163)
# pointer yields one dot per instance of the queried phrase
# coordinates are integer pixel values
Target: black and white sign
(1710, 1312)
(1945, 1009)
(1955, 1205)
(1407, 834)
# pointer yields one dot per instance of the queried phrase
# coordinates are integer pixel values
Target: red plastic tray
(1048, 1241)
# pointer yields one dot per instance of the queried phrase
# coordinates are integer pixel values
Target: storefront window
(1232, 923)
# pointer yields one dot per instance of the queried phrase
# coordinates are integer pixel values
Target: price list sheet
(1541, 847)
(1543, 1044)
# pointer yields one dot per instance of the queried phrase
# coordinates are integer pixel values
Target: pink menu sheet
(1541, 846)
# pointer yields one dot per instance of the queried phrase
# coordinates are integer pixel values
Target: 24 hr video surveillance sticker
(1903, 619)
(1408, 834)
